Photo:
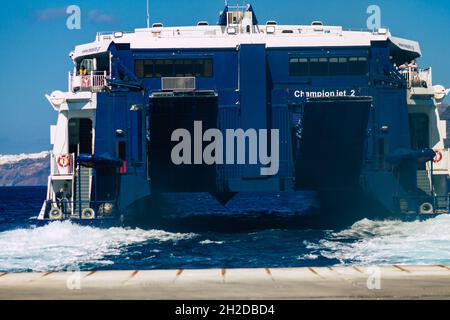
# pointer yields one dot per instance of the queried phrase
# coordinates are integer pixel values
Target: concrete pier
(352, 282)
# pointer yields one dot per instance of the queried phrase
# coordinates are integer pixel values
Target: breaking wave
(61, 245)
(370, 242)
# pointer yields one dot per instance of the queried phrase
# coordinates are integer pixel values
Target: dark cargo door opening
(169, 112)
(80, 136)
(332, 142)
(419, 133)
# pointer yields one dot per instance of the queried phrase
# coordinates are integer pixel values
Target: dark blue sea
(60, 246)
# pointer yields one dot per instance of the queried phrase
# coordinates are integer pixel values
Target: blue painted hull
(255, 211)
(330, 143)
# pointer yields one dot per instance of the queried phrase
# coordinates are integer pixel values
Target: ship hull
(246, 212)
(242, 135)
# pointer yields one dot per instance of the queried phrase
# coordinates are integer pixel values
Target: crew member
(83, 71)
(62, 199)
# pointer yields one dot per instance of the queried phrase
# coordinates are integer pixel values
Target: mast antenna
(148, 15)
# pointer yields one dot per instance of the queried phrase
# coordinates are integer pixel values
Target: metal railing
(93, 82)
(418, 78)
(62, 164)
(423, 204)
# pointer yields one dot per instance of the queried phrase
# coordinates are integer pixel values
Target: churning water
(60, 246)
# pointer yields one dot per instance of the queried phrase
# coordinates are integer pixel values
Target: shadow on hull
(327, 210)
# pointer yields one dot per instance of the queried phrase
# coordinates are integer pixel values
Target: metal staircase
(84, 185)
(423, 181)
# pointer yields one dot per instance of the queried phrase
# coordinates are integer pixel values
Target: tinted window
(179, 68)
(299, 67)
(334, 66)
(358, 65)
(148, 69)
(157, 68)
(207, 68)
(139, 68)
(164, 68)
(318, 66)
(338, 66)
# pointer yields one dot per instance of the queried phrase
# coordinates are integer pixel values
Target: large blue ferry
(244, 125)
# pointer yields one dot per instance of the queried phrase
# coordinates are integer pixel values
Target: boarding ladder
(83, 194)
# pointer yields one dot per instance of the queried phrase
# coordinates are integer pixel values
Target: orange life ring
(438, 157)
(63, 161)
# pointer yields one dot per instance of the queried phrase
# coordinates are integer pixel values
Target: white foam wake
(389, 242)
(62, 245)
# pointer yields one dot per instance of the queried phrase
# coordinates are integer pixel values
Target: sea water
(60, 246)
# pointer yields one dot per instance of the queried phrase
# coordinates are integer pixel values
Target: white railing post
(410, 79)
(430, 77)
(72, 164)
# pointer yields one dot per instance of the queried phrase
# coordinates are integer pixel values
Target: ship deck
(347, 282)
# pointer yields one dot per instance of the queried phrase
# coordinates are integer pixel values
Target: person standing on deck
(83, 71)
(62, 199)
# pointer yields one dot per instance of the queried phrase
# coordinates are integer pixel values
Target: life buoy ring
(426, 208)
(63, 161)
(55, 214)
(88, 214)
(438, 157)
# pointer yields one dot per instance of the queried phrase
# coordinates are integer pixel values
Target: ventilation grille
(178, 83)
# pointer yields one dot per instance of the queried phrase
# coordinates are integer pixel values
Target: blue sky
(35, 44)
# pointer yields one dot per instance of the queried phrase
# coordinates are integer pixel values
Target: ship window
(148, 68)
(207, 68)
(157, 68)
(358, 66)
(179, 68)
(318, 66)
(139, 68)
(299, 67)
(164, 68)
(199, 68)
(188, 68)
(334, 66)
(338, 66)
(184, 68)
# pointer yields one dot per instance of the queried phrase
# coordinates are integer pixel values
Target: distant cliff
(24, 169)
